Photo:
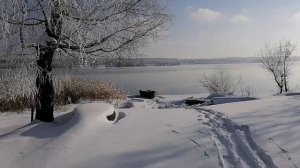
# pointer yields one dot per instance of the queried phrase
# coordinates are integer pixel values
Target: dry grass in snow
(18, 90)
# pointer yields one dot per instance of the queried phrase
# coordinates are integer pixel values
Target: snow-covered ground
(157, 133)
(274, 123)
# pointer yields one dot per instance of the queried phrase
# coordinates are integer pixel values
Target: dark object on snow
(111, 117)
(193, 101)
(32, 112)
(148, 94)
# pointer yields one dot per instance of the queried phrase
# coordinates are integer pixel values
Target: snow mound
(96, 112)
(83, 118)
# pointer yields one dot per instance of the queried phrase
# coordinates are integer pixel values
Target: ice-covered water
(184, 79)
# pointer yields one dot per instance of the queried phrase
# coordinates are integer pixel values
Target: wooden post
(32, 112)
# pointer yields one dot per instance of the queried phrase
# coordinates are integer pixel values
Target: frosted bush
(219, 82)
(72, 90)
(222, 83)
(18, 90)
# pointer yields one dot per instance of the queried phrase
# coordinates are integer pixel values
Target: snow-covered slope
(275, 125)
(142, 137)
(148, 133)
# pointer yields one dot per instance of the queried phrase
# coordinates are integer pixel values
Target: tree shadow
(50, 130)
(14, 131)
(61, 125)
(121, 116)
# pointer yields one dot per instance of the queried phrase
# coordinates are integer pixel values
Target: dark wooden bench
(148, 94)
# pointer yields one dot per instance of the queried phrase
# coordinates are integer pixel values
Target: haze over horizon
(231, 28)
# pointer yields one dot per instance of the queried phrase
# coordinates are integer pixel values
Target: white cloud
(204, 15)
(239, 19)
(295, 19)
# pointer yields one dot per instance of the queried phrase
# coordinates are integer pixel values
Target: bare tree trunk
(44, 84)
(286, 89)
(281, 84)
(280, 89)
(285, 75)
(277, 81)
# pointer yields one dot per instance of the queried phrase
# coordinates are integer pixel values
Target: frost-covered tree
(85, 29)
(277, 60)
(219, 82)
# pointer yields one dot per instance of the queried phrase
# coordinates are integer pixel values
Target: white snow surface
(274, 122)
(163, 132)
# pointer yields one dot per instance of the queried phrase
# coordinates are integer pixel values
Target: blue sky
(226, 28)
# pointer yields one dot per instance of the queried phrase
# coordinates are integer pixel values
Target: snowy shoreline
(157, 133)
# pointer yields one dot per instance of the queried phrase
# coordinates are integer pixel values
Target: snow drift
(96, 112)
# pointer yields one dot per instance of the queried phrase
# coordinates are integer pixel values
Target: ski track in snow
(233, 143)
